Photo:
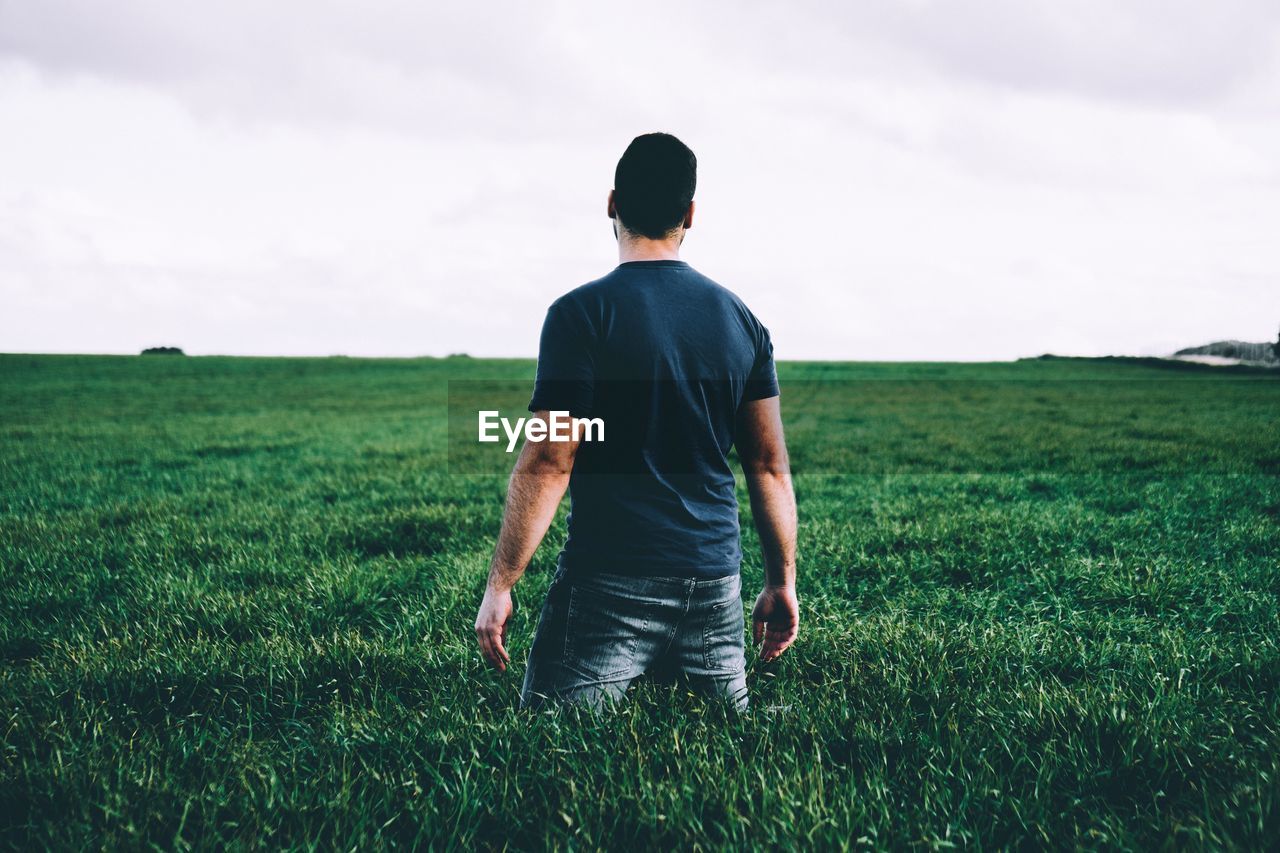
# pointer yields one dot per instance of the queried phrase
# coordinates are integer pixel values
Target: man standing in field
(679, 370)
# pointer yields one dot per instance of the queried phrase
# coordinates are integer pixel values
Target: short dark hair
(653, 184)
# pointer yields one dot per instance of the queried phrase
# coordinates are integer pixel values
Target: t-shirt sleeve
(763, 381)
(566, 365)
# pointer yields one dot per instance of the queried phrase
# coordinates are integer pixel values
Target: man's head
(653, 187)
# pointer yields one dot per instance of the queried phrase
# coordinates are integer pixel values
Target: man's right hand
(773, 505)
(775, 620)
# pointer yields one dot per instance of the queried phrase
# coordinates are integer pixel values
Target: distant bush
(163, 351)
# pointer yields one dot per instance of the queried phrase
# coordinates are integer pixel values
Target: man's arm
(763, 451)
(537, 484)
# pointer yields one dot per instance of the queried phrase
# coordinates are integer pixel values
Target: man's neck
(648, 250)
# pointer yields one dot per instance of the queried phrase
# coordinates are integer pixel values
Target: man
(679, 370)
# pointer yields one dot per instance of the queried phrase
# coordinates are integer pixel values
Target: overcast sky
(942, 180)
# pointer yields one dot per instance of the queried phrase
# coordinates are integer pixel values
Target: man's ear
(611, 209)
(688, 216)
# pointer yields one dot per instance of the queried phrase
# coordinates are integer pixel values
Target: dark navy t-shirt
(665, 357)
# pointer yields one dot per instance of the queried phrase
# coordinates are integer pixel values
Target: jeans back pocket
(601, 633)
(724, 635)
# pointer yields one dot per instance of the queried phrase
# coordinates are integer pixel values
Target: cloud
(878, 180)
(1166, 52)
(416, 68)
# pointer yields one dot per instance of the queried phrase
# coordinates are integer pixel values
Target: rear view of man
(679, 371)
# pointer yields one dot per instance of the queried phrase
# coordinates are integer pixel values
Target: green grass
(1040, 608)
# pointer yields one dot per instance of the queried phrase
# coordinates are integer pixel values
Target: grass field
(1040, 607)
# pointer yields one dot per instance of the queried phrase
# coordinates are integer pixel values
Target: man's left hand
(491, 627)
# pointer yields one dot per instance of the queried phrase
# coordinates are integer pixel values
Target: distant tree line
(163, 351)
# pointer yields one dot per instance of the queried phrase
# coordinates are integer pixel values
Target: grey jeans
(597, 632)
